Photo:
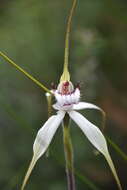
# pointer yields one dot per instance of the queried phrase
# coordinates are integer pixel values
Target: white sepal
(96, 137)
(85, 105)
(46, 133)
(42, 141)
(56, 106)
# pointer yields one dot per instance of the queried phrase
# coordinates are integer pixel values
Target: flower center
(66, 95)
(65, 88)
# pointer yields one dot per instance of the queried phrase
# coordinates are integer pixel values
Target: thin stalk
(66, 76)
(24, 72)
(68, 150)
(86, 181)
(49, 105)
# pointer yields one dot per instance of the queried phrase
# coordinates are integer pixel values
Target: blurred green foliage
(32, 34)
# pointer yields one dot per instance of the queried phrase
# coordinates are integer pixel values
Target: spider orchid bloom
(67, 102)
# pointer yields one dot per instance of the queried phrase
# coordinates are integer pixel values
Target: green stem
(66, 76)
(49, 105)
(24, 72)
(68, 150)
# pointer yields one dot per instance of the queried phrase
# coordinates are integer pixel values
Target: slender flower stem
(49, 105)
(66, 76)
(24, 72)
(68, 150)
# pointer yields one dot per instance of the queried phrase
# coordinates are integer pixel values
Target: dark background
(32, 33)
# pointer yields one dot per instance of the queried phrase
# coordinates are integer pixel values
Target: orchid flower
(68, 102)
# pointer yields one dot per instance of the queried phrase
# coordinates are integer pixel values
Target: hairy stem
(68, 150)
(24, 72)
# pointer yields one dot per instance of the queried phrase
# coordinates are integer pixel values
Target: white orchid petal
(46, 133)
(72, 98)
(96, 137)
(56, 106)
(42, 141)
(58, 97)
(68, 99)
(77, 95)
(64, 98)
(85, 105)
